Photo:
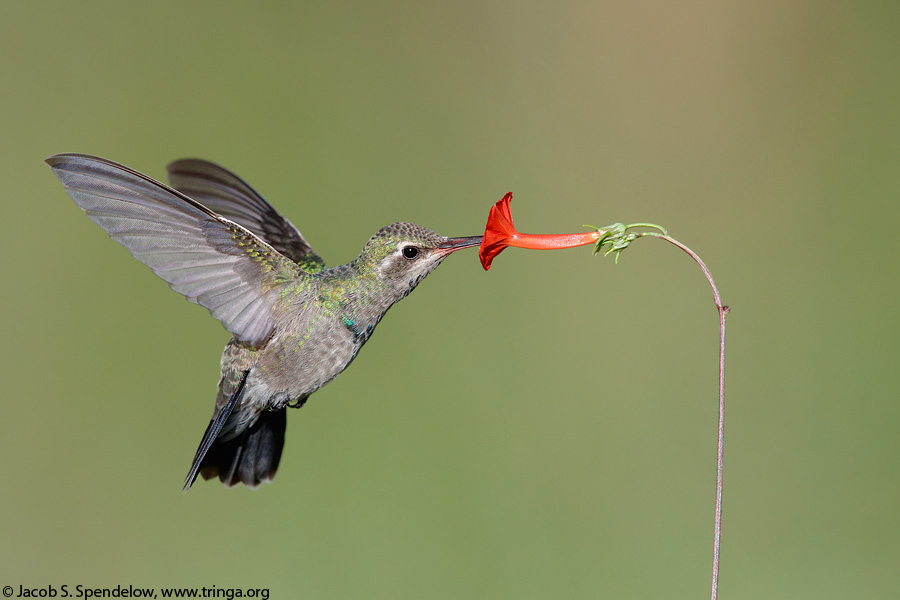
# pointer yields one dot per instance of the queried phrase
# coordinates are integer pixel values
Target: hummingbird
(295, 324)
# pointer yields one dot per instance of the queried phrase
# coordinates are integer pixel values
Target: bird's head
(400, 255)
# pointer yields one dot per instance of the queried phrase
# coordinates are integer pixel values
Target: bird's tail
(250, 458)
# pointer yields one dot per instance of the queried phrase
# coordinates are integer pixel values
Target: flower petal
(498, 232)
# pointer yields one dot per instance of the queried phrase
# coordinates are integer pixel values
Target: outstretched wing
(226, 194)
(212, 261)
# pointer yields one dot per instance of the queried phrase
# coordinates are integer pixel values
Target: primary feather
(209, 259)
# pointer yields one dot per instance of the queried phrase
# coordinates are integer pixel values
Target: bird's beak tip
(458, 243)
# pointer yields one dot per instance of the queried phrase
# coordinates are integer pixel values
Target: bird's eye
(410, 252)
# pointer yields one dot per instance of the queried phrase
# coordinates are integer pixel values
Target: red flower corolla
(500, 233)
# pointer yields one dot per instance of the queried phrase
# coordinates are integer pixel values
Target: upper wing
(226, 194)
(212, 261)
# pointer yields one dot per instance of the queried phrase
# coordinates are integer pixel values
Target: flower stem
(723, 310)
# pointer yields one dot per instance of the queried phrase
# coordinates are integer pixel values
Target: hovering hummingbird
(296, 324)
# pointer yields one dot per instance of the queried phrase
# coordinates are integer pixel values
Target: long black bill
(453, 244)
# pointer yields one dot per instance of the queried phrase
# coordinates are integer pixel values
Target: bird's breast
(307, 353)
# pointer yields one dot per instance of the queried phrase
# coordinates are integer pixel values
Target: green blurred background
(545, 430)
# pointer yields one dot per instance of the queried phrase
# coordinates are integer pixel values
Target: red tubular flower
(500, 233)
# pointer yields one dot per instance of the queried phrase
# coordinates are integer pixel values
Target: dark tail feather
(212, 432)
(250, 458)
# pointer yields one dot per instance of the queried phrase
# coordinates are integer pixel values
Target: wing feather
(228, 195)
(209, 259)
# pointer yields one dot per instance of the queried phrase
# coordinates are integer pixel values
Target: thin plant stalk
(723, 310)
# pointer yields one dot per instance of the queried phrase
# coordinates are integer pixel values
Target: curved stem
(723, 310)
(651, 225)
